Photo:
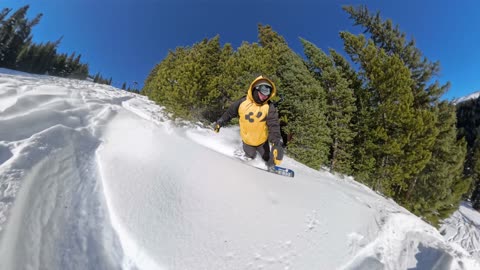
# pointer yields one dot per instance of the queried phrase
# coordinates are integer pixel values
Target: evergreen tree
(426, 94)
(160, 80)
(438, 188)
(79, 72)
(18, 52)
(124, 86)
(304, 107)
(69, 64)
(343, 66)
(97, 77)
(364, 163)
(189, 80)
(150, 80)
(468, 115)
(14, 34)
(59, 65)
(475, 175)
(239, 69)
(4, 14)
(25, 57)
(395, 136)
(43, 58)
(340, 106)
(394, 41)
(226, 85)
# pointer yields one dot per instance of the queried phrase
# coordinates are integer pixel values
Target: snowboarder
(258, 120)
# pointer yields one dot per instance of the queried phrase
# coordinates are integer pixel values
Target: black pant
(263, 150)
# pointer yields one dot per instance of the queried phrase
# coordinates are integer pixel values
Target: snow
(92, 177)
(463, 228)
(474, 95)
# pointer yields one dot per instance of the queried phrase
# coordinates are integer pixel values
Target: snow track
(463, 228)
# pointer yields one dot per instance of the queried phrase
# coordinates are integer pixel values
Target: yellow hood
(261, 78)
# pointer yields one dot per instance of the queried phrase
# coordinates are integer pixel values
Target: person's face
(264, 91)
(261, 96)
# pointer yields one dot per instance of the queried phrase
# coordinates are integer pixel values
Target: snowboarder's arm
(273, 123)
(274, 135)
(231, 112)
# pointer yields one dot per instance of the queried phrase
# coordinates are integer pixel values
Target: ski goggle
(264, 89)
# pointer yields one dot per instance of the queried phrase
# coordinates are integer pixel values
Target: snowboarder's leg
(264, 151)
(250, 151)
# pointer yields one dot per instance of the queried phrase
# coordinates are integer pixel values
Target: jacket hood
(258, 79)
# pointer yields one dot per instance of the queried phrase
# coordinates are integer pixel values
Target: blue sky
(124, 39)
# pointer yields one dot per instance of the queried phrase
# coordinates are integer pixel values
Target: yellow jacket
(258, 120)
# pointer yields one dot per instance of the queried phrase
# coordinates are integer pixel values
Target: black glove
(217, 126)
(277, 153)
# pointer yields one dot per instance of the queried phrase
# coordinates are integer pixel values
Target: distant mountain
(468, 126)
(465, 98)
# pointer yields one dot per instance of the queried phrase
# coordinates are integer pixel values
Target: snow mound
(92, 177)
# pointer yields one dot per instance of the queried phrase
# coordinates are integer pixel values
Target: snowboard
(281, 171)
(238, 154)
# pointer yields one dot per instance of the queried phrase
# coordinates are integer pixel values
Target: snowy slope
(463, 228)
(96, 178)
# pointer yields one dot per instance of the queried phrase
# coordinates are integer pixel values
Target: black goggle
(264, 89)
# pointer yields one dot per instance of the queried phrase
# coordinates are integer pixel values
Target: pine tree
(190, 81)
(436, 186)
(44, 58)
(96, 79)
(81, 72)
(60, 65)
(426, 94)
(343, 66)
(225, 86)
(468, 115)
(340, 106)
(25, 58)
(18, 52)
(475, 175)
(304, 107)
(394, 41)
(124, 86)
(364, 164)
(394, 127)
(14, 34)
(193, 75)
(209, 59)
(4, 14)
(150, 80)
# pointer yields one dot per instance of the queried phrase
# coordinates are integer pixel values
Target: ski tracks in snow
(462, 229)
